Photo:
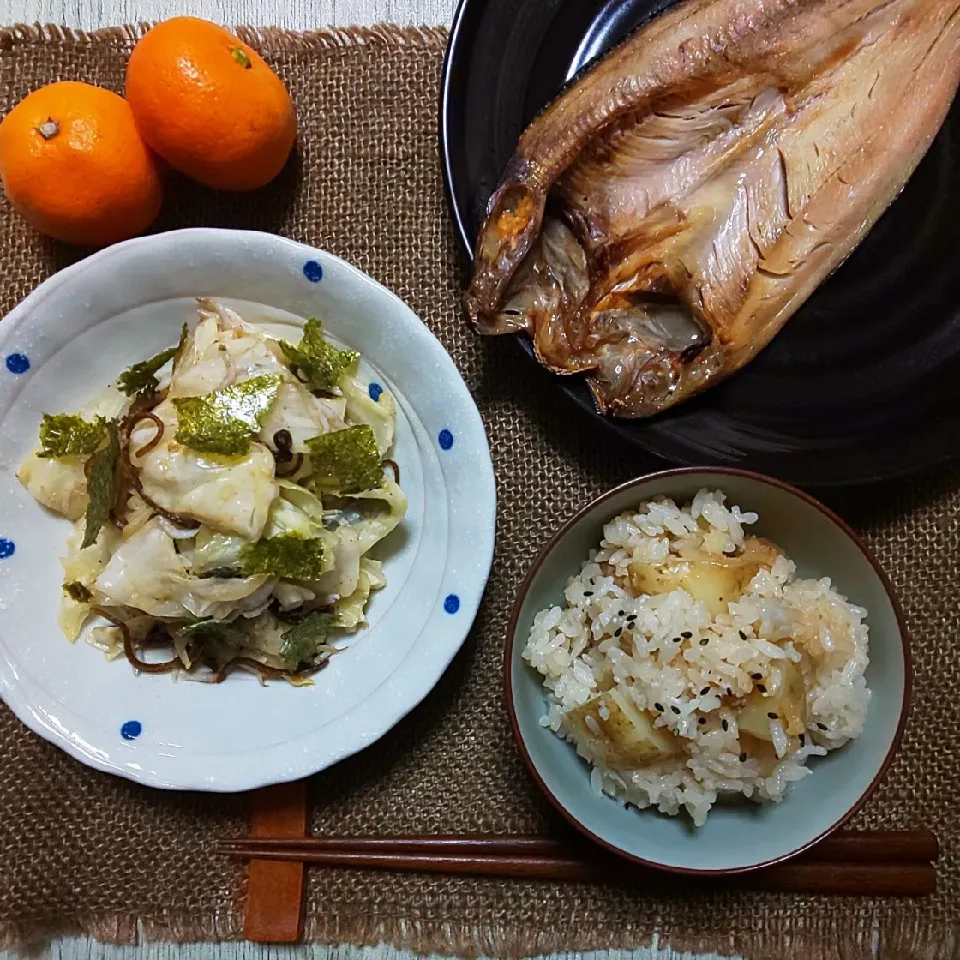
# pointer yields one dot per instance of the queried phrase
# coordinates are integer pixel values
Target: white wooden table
(293, 14)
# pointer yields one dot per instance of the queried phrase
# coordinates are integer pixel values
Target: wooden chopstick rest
(274, 906)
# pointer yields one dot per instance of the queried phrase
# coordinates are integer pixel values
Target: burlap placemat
(82, 851)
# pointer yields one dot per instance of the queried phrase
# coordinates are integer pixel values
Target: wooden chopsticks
(858, 863)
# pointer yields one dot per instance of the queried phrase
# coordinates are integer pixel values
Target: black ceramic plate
(862, 384)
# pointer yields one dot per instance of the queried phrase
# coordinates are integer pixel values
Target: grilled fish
(661, 220)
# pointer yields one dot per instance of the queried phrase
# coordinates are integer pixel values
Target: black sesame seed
(659, 707)
(771, 715)
(743, 636)
(822, 726)
(618, 631)
(729, 692)
(757, 676)
(620, 613)
(743, 758)
(687, 635)
(676, 639)
(675, 709)
(761, 688)
(588, 593)
(704, 691)
(704, 641)
(702, 720)
(725, 725)
(631, 618)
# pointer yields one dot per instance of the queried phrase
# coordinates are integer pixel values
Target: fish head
(636, 335)
(514, 215)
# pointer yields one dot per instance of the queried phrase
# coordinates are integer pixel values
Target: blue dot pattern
(18, 363)
(452, 603)
(313, 271)
(375, 390)
(445, 439)
(7, 548)
(131, 730)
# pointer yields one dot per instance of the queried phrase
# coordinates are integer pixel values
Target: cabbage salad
(225, 496)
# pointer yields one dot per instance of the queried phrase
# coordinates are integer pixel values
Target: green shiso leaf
(67, 435)
(178, 353)
(320, 364)
(224, 421)
(102, 483)
(140, 377)
(302, 642)
(346, 461)
(288, 555)
(213, 631)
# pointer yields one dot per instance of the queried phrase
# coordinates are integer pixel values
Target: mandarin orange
(74, 166)
(210, 105)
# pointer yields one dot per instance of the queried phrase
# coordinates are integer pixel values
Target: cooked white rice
(690, 673)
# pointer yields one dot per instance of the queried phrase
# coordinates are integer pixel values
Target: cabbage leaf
(215, 553)
(351, 610)
(80, 571)
(146, 572)
(380, 414)
(371, 529)
(231, 495)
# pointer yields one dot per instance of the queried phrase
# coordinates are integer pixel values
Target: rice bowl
(740, 835)
(689, 662)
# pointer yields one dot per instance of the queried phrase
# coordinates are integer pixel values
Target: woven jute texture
(82, 851)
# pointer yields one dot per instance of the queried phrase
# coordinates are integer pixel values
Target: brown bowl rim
(524, 588)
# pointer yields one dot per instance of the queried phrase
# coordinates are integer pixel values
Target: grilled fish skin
(661, 221)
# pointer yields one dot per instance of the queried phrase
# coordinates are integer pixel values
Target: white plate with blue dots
(72, 337)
